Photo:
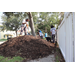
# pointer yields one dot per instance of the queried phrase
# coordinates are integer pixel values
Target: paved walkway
(49, 58)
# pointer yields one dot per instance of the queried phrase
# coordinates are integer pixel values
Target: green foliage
(13, 20)
(46, 20)
(35, 17)
(9, 59)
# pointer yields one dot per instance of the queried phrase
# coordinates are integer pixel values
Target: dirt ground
(28, 47)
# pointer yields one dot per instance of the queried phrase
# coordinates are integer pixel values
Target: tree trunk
(16, 33)
(31, 23)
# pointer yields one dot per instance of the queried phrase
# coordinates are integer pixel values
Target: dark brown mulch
(27, 46)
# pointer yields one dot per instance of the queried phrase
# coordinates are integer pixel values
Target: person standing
(23, 27)
(53, 32)
(28, 29)
(45, 34)
(41, 34)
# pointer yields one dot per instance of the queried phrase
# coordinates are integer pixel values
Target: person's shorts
(23, 29)
(41, 37)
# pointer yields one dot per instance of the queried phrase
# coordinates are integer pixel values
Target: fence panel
(74, 35)
(71, 37)
(69, 45)
(61, 38)
(65, 37)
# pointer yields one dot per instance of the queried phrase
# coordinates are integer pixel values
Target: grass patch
(16, 59)
(58, 56)
(44, 38)
(3, 39)
(9, 59)
(4, 59)
(1, 58)
(57, 59)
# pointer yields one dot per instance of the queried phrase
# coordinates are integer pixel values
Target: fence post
(74, 36)
(71, 37)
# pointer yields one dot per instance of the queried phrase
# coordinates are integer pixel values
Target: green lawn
(9, 59)
(3, 39)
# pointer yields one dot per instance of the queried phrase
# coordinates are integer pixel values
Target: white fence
(66, 37)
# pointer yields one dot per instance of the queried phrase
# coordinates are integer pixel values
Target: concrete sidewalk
(49, 58)
(2, 42)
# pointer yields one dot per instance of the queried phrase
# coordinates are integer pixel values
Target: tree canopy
(46, 19)
(41, 20)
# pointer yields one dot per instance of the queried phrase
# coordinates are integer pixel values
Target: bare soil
(27, 46)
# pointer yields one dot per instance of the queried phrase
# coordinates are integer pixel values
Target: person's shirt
(53, 30)
(27, 23)
(45, 34)
(23, 25)
(40, 33)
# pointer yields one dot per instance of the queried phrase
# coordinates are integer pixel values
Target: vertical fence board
(65, 37)
(74, 34)
(67, 40)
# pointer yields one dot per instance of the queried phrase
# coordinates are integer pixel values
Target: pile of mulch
(27, 46)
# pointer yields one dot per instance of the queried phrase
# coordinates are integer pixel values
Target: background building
(4, 34)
